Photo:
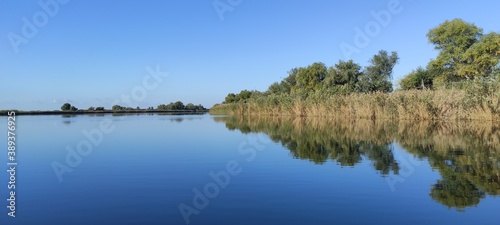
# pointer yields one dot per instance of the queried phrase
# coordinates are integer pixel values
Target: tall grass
(479, 101)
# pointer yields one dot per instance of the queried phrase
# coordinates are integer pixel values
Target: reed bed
(445, 104)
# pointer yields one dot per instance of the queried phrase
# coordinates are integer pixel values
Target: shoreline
(84, 112)
(444, 105)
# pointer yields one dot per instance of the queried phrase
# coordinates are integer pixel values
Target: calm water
(152, 169)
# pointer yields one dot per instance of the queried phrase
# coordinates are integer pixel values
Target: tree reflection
(465, 154)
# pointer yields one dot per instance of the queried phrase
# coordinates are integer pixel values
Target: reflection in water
(466, 155)
(67, 118)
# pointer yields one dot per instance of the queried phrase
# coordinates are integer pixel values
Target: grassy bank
(444, 104)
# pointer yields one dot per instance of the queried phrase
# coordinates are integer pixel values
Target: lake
(203, 169)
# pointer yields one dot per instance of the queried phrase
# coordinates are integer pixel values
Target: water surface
(146, 169)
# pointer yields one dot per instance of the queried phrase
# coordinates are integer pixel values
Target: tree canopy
(68, 107)
(464, 52)
(179, 106)
(342, 78)
(377, 76)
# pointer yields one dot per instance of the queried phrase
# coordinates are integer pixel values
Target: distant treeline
(173, 106)
(463, 82)
(67, 108)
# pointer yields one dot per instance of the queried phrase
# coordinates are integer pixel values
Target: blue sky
(90, 53)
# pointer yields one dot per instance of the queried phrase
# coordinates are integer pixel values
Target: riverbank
(444, 104)
(82, 112)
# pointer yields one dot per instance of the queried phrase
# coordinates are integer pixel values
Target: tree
(482, 58)
(244, 95)
(290, 81)
(73, 108)
(286, 85)
(99, 108)
(377, 76)
(117, 108)
(417, 79)
(178, 105)
(190, 106)
(342, 78)
(66, 107)
(452, 39)
(91, 108)
(275, 88)
(230, 98)
(162, 107)
(309, 78)
(345, 73)
(200, 107)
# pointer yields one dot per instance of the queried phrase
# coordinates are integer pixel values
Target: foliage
(377, 76)
(482, 58)
(179, 106)
(66, 107)
(309, 78)
(242, 96)
(117, 108)
(464, 54)
(343, 77)
(452, 38)
(420, 79)
(463, 82)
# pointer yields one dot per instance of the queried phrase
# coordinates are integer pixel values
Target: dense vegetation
(465, 154)
(343, 78)
(465, 53)
(173, 106)
(463, 82)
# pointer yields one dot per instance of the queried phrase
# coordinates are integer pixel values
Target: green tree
(178, 105)
(286, 85)
(290, 82)
(417, 79)
(200, 107)
(310, 78)
(117, 108)
(162, 107)
(344, 73)
(73, 108)
(190, 106)
(482, 58)
(275, 88)
(91, 108)
(244, 95)
(452, 39)
(230, 98)
(377, 76)
(66, 107)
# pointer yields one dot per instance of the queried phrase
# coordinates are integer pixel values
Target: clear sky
(91, 52)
